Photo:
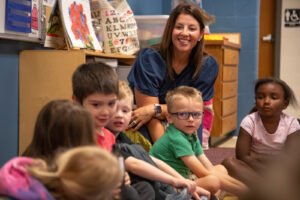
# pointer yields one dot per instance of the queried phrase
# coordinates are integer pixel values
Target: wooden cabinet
(226, 86)
(46, 75)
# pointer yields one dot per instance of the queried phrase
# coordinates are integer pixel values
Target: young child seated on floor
(139, 164)
(264, 133)
(80, 173)
(180, 148)
(60, 125)
(281, 179)
(95, 87)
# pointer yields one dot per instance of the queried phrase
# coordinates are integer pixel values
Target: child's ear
(168, 117)
(286, 104)
(75, 100)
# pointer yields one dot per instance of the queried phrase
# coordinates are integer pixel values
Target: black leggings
(138, 191)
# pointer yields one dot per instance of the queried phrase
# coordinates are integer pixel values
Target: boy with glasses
(179, 146)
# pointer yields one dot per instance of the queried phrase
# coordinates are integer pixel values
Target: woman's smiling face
(186, 33)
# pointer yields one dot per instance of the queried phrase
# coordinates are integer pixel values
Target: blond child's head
(125, 92)
(80, 173)
(122, 116)
(185, 108)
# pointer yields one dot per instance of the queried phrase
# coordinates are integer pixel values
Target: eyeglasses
(186, 115)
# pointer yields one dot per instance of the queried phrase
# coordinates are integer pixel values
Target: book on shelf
(77, 23)
(70, 25)
(55, 37)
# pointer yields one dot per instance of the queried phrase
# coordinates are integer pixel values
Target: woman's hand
(141, 116)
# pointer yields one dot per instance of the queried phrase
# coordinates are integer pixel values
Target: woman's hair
(288, 92)
(166, 46)
(60, 124)
(83, 173)
(125, 91)
(182, 92)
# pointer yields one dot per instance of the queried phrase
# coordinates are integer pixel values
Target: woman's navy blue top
(149, 76)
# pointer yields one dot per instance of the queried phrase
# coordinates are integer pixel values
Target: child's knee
(221, 169)
(214, 183)
(228, 162)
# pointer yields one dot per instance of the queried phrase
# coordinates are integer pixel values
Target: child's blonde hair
(182, 91)
(125, 91)
(86, 172)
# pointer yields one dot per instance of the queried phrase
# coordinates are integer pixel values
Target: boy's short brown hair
(125, 91)
(182, 91)
(94, 77)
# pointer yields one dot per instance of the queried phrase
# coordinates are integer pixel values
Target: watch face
(157, 110)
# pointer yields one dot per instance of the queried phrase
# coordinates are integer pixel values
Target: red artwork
(79, 23)
(34, 18)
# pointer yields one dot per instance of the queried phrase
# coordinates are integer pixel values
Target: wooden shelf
(45, 75)
(223, 43)
(127, 59)
(226, 86)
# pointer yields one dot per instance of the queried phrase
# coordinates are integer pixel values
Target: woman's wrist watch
(158, 110)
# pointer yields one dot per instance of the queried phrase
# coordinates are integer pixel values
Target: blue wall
(240, 16)
(231, 16)
(146, 7)
(9, 92)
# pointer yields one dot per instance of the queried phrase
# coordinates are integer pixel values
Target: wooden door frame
(277, 38)
(276, 31)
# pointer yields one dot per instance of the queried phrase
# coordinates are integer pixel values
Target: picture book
(55, 37)
(77, 23)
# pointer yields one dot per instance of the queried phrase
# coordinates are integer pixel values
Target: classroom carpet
(217, 154)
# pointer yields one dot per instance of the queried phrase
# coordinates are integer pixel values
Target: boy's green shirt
(175, 144)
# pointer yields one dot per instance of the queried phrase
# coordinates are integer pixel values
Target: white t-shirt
(264, 142)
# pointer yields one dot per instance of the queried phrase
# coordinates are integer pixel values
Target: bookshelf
(46, 75)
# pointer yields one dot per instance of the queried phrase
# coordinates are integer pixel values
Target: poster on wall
(292, 17)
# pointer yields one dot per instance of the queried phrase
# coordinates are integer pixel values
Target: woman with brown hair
(178, 60)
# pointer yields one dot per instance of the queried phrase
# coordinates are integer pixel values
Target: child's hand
(116, 192)
(127, 181)
(182, 183)
(202, 192)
